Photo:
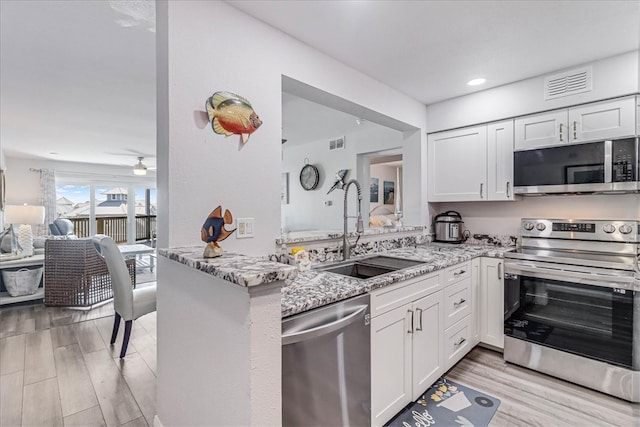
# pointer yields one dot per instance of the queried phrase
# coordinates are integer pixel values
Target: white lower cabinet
(426, 351)
(419, 329)
(457, 299)
(457, 341)
(492, 302)
(475, 298)
(458, 334)
(406, 351)
(390, 365)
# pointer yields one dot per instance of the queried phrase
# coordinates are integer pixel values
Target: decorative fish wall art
(339, 183)
(232, 114)
(213, 231)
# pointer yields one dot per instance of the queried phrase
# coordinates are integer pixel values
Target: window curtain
(48, 191)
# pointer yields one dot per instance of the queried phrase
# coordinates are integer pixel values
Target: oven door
(587, 314)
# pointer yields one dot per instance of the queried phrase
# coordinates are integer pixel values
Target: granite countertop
(306, 290)
(317, 235)
(312, 289)
(242, 270)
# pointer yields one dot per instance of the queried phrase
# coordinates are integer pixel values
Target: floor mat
(446, 404)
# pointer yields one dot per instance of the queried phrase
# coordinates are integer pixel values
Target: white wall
(612, 77)
(2, 167)
(23, 185)
(210, 46)
(306, 209)
(503, 218)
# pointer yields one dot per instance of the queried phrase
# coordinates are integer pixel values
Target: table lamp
(24, 216)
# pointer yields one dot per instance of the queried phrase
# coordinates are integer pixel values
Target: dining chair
(129, 303)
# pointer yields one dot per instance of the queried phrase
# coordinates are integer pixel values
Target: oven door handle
(609, 281)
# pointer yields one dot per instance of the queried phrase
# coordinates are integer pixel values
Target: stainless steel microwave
(595, 167)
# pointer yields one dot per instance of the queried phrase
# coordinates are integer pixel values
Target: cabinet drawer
(457, 302)
(457, 341)
(456, 273)
(385, 299)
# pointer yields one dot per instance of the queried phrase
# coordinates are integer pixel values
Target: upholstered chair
(129, 303)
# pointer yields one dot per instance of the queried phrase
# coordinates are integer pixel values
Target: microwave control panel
(625, 158)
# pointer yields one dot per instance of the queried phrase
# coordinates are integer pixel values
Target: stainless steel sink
(369, 267)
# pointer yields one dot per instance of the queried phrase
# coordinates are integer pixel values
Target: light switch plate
(245, 228)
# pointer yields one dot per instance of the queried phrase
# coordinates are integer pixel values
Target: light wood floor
(533, 399)
(70, 375)
(53, 373)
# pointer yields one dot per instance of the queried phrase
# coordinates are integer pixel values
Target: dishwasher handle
(325, 329)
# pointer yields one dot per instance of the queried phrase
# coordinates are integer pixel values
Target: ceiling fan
(140, 168)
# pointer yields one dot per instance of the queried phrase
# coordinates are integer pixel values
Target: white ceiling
(77, 78)
(75, 82)
(430, 49)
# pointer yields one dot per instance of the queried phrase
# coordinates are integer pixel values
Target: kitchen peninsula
(219, 322)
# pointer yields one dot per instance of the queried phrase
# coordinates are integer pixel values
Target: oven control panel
(581, 227)
(570, 229)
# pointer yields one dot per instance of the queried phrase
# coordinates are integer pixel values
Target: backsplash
(492, 240)
(333, 250)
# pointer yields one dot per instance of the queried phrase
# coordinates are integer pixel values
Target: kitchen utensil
(448, 227)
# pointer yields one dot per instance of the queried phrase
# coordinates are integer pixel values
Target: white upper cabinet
(469, 164)
(500, 160)
(591, 122)
(457, 164)
(541, 130)
(604, 120)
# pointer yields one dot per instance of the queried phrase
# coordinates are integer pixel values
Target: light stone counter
(312, 289)
(306, 290)
(239, 269)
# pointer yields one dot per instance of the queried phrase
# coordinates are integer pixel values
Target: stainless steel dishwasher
(326, 366)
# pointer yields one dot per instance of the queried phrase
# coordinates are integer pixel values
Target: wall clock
(309, 177)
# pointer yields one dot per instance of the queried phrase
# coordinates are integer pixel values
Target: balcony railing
(116, 227)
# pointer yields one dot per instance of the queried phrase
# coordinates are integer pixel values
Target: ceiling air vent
(568, 83)
(336, 144)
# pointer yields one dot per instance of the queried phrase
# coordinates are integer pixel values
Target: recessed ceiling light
(476, 82)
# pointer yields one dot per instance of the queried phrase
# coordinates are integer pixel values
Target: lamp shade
(24, 214)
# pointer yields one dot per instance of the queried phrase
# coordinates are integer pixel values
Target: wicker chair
(75, 275)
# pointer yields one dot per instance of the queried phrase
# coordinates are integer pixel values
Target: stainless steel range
(572, 302)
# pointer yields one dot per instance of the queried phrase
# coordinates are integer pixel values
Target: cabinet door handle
(561, 132)
(508, 189)
(457, 303)
(481, 185)
(460, 342)
(499, 271)
(410, 330)
(458, 273)
(419, 328)
(575, 135)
